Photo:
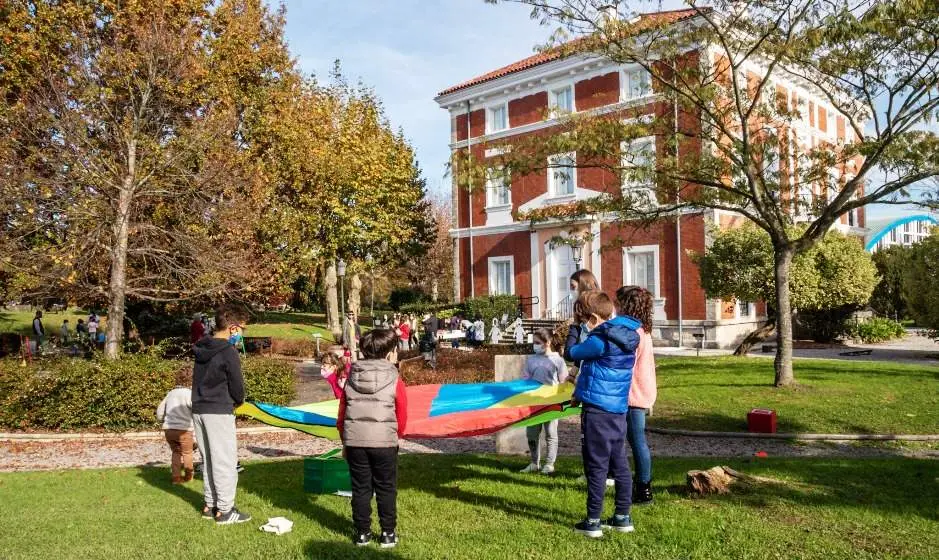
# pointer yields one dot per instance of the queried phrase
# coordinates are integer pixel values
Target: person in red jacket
(372, 417)
(196, 328)
(403, 330)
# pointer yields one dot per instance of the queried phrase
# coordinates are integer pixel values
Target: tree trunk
(755, 337)
(118, 283)
(332, 301)
(783, 362)
(434, 289)
(354, 301)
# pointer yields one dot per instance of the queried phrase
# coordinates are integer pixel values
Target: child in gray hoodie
(175, 413)
(547, 367)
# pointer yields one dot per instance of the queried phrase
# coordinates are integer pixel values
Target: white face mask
(326, 371)
(539, 348)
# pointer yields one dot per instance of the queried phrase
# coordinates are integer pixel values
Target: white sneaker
(547, 469)
(530, 468)
(610, 483)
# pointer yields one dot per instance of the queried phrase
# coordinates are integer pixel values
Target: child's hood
(621, 330)
(371, 376)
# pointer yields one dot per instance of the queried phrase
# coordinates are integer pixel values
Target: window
(562, 174)
(906, 227)
(907, 239)
(893, 235)
(919, 227)
(744, 309)
(501, 276)
(641, 267)
(636, 84)
(638, 154)
(497, 118)
(562, 99)
(498, 186)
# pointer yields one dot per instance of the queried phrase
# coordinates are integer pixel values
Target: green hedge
(877, 329)
(491, 307)
(75, 394)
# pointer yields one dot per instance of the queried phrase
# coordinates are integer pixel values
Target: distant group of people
(85, 332)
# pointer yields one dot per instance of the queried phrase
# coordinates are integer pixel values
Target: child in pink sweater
(636, 301)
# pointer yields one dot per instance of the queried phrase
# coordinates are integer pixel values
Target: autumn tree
(346, 185)
(130, 129)
(834, 274)
(723, 129)
(918, 283)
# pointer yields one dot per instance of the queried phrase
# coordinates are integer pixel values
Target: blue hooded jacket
(606, 370)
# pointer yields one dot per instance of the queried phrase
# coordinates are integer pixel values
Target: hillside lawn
(466, 506)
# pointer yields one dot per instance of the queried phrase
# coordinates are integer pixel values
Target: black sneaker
(209, 512)
(621, 523)
(232, 516)
(388, 540)
(589, 528)
(362, 539)
(642, 493)
(238, 467)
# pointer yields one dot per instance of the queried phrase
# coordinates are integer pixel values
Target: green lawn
(465, 506)
(832, 396)
(22, 321)
(289, 325)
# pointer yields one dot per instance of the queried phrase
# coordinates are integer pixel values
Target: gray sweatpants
(216, 436)
(551, 441)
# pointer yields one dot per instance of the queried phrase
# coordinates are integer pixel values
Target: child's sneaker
(238, 467)
(232, 516)
(589, 528)
(187, 477)
(388, 540)
(642, 493)
(530, 468)
(209, 512)
(547, 469)
(621, 523)
(362, 539)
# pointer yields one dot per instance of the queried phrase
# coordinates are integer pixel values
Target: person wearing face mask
(548, 368)
(581, 281)
(330, 369)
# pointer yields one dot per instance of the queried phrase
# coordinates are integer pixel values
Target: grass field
(464, 506)
(832, 396)
(289, 326)
(21, 322)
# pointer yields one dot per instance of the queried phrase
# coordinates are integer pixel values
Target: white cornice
(554, 121)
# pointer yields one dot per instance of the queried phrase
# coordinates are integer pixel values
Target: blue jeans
(636, 434)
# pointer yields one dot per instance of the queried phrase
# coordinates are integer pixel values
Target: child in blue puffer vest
(607, 357)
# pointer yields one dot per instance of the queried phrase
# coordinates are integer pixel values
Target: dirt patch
(453, 366)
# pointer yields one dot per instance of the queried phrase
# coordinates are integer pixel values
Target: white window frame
(489, 118)
(625, 86)
(739, 315)
(492, 189)
(553, 99)
(626, 147)
(552, 178)
(657, 272)
(491, 270)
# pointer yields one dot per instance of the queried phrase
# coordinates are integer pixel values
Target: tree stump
(715, 480)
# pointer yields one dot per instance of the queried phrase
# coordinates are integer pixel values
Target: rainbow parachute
(439, 411)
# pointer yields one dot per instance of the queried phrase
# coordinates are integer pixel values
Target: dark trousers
(603, 445)
(373, 470)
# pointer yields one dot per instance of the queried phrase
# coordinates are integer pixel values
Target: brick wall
(516, 244)
(662, 233)
(528, 109)
(597, 92)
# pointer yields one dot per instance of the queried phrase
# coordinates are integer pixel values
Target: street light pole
(341, 271)
(371, 285)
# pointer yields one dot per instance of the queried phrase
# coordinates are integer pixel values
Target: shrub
(300, 347)
(269, 379)
(826, 325)
(400, 297)
(73, 394)
(491, 307)
(878, 329)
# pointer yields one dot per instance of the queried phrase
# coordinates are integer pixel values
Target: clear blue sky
(409, 50)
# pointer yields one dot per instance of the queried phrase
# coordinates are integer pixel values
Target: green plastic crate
(326, 474)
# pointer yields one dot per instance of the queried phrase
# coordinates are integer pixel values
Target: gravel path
(44, 455)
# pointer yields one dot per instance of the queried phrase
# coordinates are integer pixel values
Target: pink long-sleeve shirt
(643, 391)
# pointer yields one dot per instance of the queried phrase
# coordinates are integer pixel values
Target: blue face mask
(538, 348)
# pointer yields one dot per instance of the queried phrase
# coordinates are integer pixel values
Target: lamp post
(577, 252)
(371, 284)
(341, 271)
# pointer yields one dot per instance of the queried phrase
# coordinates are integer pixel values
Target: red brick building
(496, 253)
